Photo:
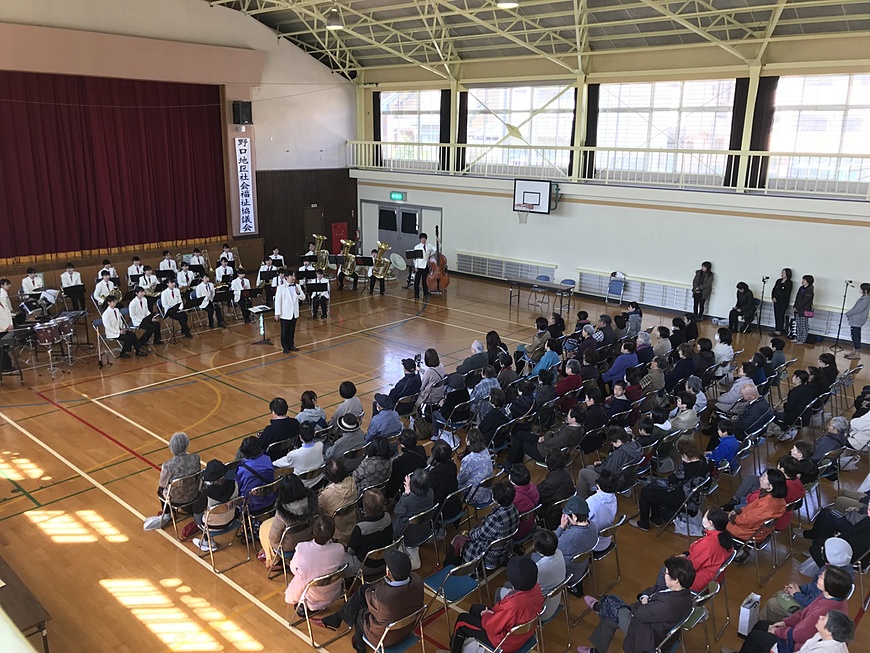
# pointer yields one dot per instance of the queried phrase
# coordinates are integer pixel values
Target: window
(507, 121)
(691, 115)
(410, 118)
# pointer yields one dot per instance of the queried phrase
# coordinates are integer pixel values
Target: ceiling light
(333, 19)
(506, 4)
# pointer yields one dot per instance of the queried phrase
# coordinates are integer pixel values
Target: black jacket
(803, 301)
(278, 430)
(799, 397)
(491, 422)
(442, 478)
(782, 291)
(451, 401)
(406, 463)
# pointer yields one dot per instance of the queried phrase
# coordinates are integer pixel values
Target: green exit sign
(398, 195)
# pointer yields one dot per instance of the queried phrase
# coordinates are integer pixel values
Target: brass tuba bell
(322, 256)
(381, 266)
(348, 267)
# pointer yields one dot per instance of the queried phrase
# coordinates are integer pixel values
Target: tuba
(207, 266)
(349, 265)
(179, 259)
(381, 266)
(322, 256)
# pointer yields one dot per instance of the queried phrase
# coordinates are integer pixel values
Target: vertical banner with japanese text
(247, 221)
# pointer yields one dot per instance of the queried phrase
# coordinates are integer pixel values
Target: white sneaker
(203, 544)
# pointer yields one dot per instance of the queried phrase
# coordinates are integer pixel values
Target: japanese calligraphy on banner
(247, 221)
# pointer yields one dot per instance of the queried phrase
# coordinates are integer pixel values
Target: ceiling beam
(768, 33)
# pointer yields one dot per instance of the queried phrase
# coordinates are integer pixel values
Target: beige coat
(333, 497)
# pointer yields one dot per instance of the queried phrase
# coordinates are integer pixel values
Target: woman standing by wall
(702, 288)
(803, 309)
(857, 316)
(781, 296)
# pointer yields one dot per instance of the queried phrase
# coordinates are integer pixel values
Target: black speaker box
(242, 113)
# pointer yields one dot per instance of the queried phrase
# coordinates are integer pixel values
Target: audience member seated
(661, 341)
(828, 367)
(479, 396)
(708, 553)
(526, 497)
(351, 405)
(643, 348)
(835, 436)
(589, 365)
(340, 490)
(412, 457)
(704, 357)
(556, 327)
(386, 422)
(604, 333)
(633, 390)
(433, 372)
(255, 469)
(519, 605)
(295, 506)
(625, 451)
(478, 359)
(748, 489)
(723, 446)
(408, 385)
(729, 402)
(817, 381)
(281, 427)
(552, 356)
(635, 319)
(594, 418)
(495, 348)
(587, 341)
(476, 467)
(833, 631)
(678, 332)
(180, 465)
(646, 622)
(306, 458)
(545, 390)
(351, 438)
(852, 525)
(498, 523)
(417, 497)
(760, 361)
(755, 414)
(311, 412)
(443, 478)
(457, 394)
(216, 489)
(723, 353)
(568, 383)
(496, 416)
(507, 374)
(556, 486)
(376, 467)
(551, 570)
(577, 534)
(602, 506)
(686, 419)
(373, 607)
(791, 633)
(566, 436)
(743, 308)
(627, 358)
(694, 385)
(373, 531)
(619, 404)
(319, 557)
(667, 495)
(654, 379)
(769, 503)
(683, 368)
(803, 452)
(524, 403)
(859, 433)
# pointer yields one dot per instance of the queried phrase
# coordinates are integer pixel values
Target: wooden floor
(81, 455)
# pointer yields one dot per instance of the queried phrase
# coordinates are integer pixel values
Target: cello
(437, 279)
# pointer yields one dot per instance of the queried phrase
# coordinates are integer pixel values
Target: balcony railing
(775, 173)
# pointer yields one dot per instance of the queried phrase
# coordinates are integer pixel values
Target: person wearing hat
(216, 489)
(372, 607)
(521, 604)
(340, 490)
(407, 386)
(457, 394)
(477, 360)
(792, 597)
(386, 421)
(577, 534)
(351, 438)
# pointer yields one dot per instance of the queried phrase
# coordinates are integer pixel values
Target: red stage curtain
(90, 163)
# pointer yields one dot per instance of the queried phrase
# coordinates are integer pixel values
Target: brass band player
(239, 285)
(197, 258)
(226, 253)
(206, 291)
(142, 317)
(107, 265)
(103, 289)
(224, 273)
(185, 277)
(347, 268)
(277, 258)
(267, 278)
(31, 284)
(168, 263)
(320, 299)
(115, 328)
(149, 282)
(71, 283)
(172, 304)
(370, 272)
(135, 271)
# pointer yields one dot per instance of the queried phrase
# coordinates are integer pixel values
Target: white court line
(170, 538)
(458, 326)
(521, 325)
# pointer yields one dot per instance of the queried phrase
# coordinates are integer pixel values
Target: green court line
(23, 491)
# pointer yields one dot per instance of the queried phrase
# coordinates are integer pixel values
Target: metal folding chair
(371, 556)
(758, 543)
(235, 506)
(559, 590)
(181, 485)
(720, 578)
(454, 583)
(700, 614)
(598, 556)
(281, 554)
(415, 621)
(519, 629)
(322, 581)
(425, 517)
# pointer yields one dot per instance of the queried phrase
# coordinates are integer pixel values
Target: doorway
(313, 223)
(398, 227)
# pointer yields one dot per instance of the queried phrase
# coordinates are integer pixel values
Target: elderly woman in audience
(480, 394)
(729, 402)
(556, 486)
(833, 631)
(709, 553)
(769, 503)
(683, 368)
(216, 489)
(311, 412)
(376, 467)
(351, 438)
(552, 356)
(180, 465)
(351, 405)
(296, 507)
(340, 490)
(643, 348)
(568, 383)
(836, 435)
(373, 531)
(476, 467)
(417, 497)
(319, 557)
(661, 340)
(431, 374)
(587, 341)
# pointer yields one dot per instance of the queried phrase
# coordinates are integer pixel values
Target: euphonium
(179, 258)
(322, 255)
(208, 267)
(381, 267)
(349, 265)
(236, 258)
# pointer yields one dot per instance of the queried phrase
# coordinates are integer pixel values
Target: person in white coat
(31, 284)
(168, 263)
(859, 433)
(7, 324)
(71, 282)
(238, 286)
(142, 317)
(185, 277)
(205, 291)
(103, 289)
(287, 298)
(116, 329)
(173, 307)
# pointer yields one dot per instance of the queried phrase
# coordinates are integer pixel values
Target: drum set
(56, 336)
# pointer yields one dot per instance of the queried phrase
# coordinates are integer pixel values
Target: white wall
(302, 111)
(656, 234)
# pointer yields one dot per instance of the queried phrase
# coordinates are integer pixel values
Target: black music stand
(197, 269)
(225, 278)
(278, 262)
(260, 311)
(134, 280)
(268, 275)
(165, 275)
(69, 291)
(413, 255)
(365, 261)
(306, 275)
(313, 287)
(308, 257)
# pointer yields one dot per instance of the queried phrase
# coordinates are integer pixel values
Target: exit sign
(398, 195)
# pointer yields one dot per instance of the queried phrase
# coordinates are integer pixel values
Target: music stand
(225, 278)
(278, 262)
(365, 261)
(115, 280)
(412, 254)
(306, 275)
(313, 287)
(197, 269)
(260, 312)
(165, 275)
(267, 276)
(134, 279)
(308, 257)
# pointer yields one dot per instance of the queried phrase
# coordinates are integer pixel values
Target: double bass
(437, 279)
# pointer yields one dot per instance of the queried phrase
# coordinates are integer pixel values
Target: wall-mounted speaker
(242, 113)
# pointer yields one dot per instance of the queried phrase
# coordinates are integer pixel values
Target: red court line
(100, 431)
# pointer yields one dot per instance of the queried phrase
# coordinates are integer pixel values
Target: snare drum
(66, 327)
(47, 334)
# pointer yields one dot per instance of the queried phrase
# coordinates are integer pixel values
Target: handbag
(809, 314)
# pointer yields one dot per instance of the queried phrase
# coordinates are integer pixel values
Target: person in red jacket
(522, 604)
(708, 553)
(571, 381)
(790, 634)
(744, 523)
(526, 497)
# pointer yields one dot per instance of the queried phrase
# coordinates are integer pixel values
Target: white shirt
(102, 290)
(196, 259)
(228, 255)
(168, 264)
(206, 292)
(302, 460)
(68, 279)
(135, 269)
(321, 294)
(138, 311)
(113, 323)
(266, 268)
(184, 279)
(111, 270)
(222, 272)
(148, 281)
(428, 252)
(287, 300)
(29, 285)
(305, 267)
(237, 286)
(169, 298)
(5, 310)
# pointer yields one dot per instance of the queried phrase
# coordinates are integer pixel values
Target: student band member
(71, 282)
(269, 269)
(307, 266)
(142, 317)
(185, 277)
(115, 329)
(172, 305)
(372, 278)
(421, 265)
(31, 284)
(148, 280)
(168, 263)
(136, 269)
(205, 290)
(7, 324)
(224, 273)
(310, 251)
(240, 284)
(227, 253)
(287, 298)
(107, 265)
(197, 258)
(103, 289)
(320, 300)
(276, 257)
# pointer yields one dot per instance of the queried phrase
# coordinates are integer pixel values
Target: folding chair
(757, 543)
(452, 498)
(103, 344)
(322, 581)
(485, 484)
(405, 407)
(181, 485)
(519, 629)
(720, 578)
(507, 427)
(559, 590)
(791, 509)
(235, 506)
(280, 449)
(425, 517)
(598, 556)
(453, 422)
(700, 614)
(670, 640)
(576, 580)
(355, 454)
(628, 480)
(262, 514)
(692, 496)
(568, 292)
(281, 554)
(496, 545)
(861, 568)
(539, 293)
(615, 287)
(454, 583)
(350, 508)
(415, 621)
(527, 516)
(372, 556)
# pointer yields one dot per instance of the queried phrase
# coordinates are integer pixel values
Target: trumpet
(381, 266)
(349, 265)
(322, 256)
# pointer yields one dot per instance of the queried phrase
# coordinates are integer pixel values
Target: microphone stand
(836, 346)
(764, 281)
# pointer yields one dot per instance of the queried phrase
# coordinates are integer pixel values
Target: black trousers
(77, 299)
(179, 317)
(420, 279)
(372, 280)
(469, 626)
(523, 443)
(654, 500)
(149, 328)
(734, 322)
(212, 308)
(244, 304)
(128, 341)
(321, 303)
(779, 311)
(342, 276)
(759, 640)
(288, 334)
(353, 613)
(699, 306)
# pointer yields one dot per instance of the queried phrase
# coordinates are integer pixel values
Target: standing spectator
(857, 316)
(803, 309)
(702, 288)
(781, 298)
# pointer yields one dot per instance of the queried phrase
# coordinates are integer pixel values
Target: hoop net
(523, 212)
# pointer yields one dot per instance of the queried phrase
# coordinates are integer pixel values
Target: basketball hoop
(523, 212)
